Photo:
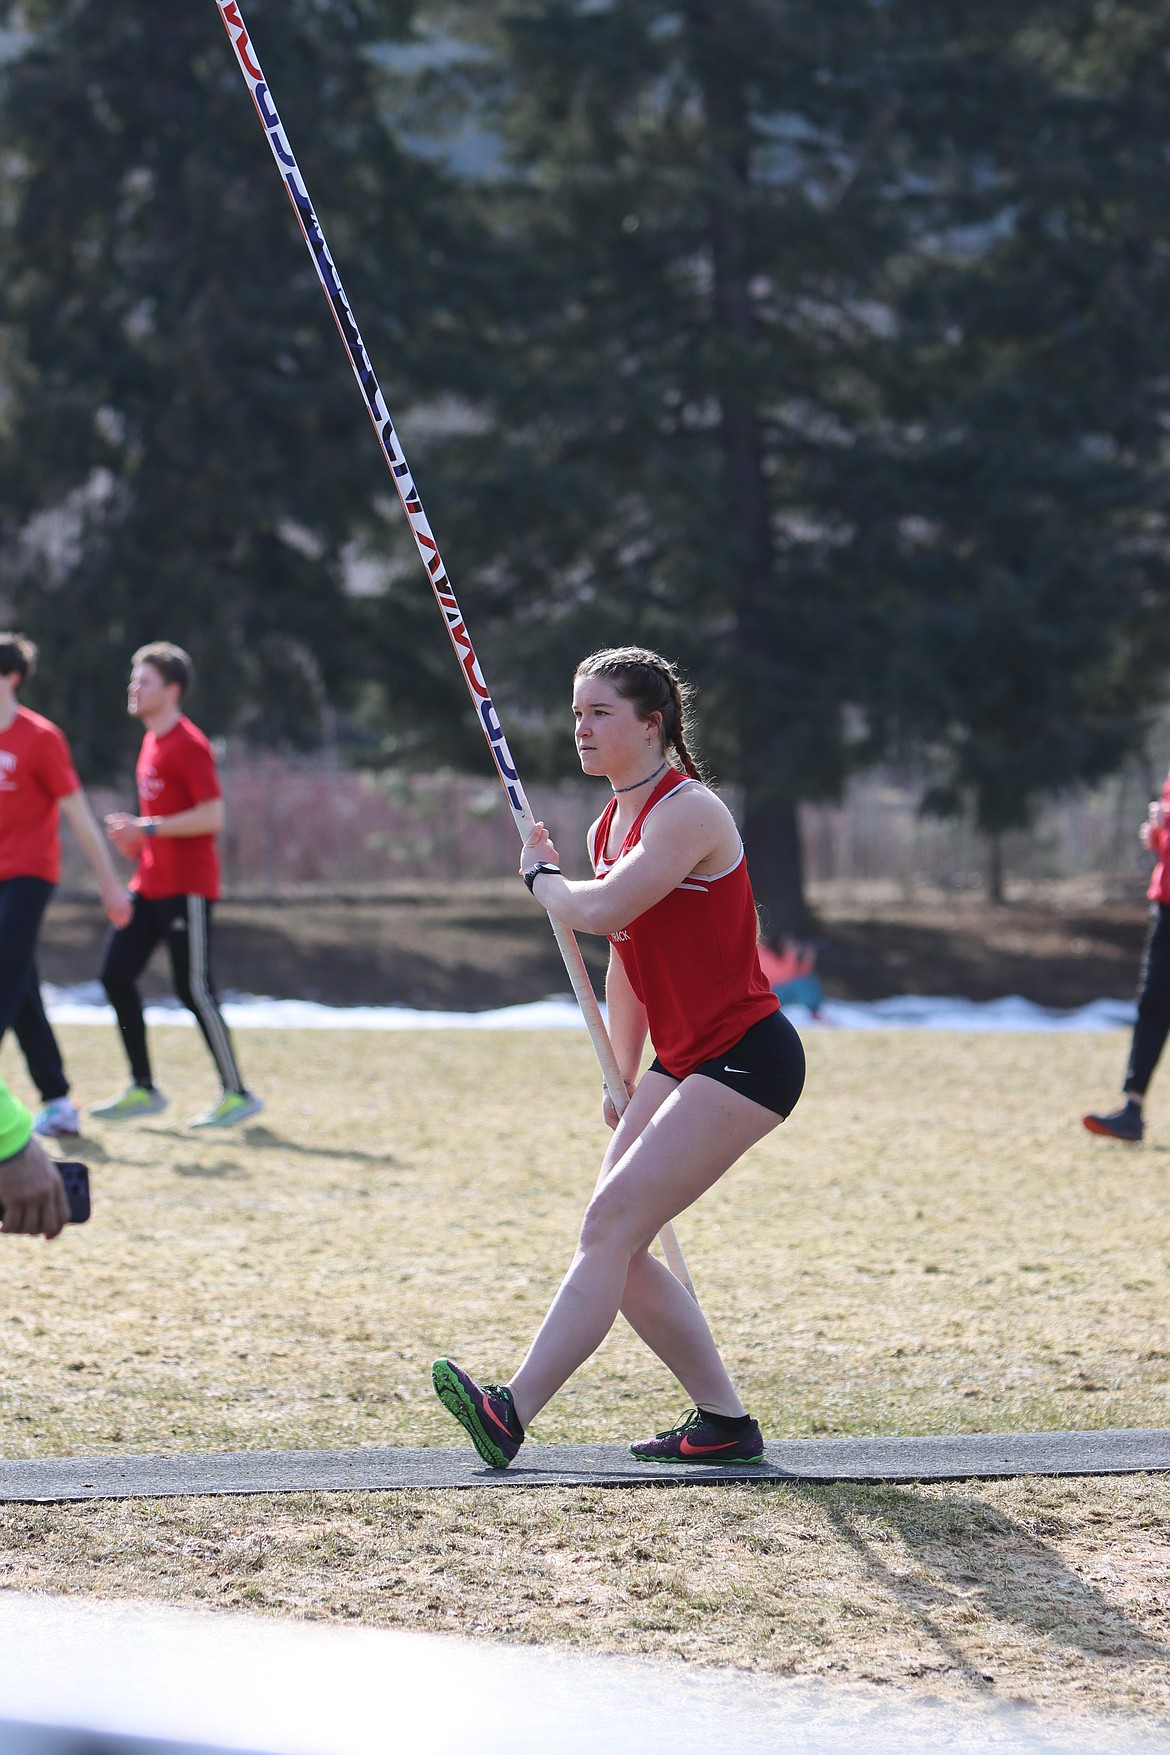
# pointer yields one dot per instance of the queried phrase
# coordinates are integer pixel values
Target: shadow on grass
(264, 1139)
(226, 1170)
(962, 1550)
(91, 1150)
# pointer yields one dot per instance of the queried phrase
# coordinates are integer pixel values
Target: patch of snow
(86, 1004)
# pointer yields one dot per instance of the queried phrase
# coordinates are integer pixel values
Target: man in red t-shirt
(37, 780)
(175, 887)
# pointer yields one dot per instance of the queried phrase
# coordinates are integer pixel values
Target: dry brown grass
(930, 1245)
(1054, 1593)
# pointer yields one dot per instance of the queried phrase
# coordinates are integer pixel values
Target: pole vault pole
(428, 549)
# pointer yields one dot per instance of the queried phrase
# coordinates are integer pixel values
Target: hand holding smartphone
(75, 1178)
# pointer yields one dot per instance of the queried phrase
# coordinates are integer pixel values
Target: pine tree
(1015, 514)
(183, 452)
(828, 371)
(676, 388)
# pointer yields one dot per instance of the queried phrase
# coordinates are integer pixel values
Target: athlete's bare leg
(657, 1306)
(662, 1312)
(672, 1144)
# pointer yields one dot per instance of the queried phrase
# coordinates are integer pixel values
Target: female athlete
(671, 893)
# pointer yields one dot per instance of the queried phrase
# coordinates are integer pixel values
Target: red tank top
(691, 958)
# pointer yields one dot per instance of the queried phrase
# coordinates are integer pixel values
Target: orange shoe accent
(1092, 1125)
(686, 1448)
(485, 1407)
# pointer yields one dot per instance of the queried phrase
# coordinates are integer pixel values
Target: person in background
(791, 973)
(1153, 998)
(37, 782)
(175, 887)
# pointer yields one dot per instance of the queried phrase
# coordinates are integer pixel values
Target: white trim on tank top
(694, 880)
(600, 857)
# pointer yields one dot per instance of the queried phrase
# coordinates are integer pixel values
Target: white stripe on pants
(206, 1007)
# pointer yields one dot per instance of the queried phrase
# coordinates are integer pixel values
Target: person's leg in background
(189, 944)
(23, 901)
(1149, 1034)
(57, 1117)
(128, 950)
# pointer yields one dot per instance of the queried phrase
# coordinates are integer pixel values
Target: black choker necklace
(644, 782)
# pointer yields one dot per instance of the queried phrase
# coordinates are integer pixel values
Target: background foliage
(824, 348)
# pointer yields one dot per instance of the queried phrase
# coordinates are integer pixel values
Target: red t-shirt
(36, 770)
(175, 772)
(691, 958)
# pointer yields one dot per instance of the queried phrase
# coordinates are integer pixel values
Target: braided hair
(652, 685)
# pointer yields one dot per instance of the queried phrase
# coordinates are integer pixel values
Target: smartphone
(76, 1179)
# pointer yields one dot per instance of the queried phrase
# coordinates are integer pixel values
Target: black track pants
(1153, 1000)
(185, 923)
(23, 901)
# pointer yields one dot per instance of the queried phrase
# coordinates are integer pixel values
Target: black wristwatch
(534, 871)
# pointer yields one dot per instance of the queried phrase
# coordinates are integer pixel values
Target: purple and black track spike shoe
(486, 1414)
(698, 1439)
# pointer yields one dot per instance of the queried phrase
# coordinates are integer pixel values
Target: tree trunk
(995, 890)
(771, 835)
(771, 830)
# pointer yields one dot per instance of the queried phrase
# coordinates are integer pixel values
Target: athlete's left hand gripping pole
(294, 183)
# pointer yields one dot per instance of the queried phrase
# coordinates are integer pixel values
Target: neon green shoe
(232, 1108)
(135, 1101)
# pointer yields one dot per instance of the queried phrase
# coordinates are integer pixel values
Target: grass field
(931, 1244)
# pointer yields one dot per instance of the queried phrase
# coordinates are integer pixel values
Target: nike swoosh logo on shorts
(741, 1070)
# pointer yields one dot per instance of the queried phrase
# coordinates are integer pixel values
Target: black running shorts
(766, 1064)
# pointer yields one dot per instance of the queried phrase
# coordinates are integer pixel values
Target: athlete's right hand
(1154, 824)
(539, 846)
(608, 1113)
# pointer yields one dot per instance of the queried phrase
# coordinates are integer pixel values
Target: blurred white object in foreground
(243, 1683)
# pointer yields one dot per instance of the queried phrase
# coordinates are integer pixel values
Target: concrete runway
(970, 1457)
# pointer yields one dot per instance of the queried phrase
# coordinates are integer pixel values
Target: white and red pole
(428, 549)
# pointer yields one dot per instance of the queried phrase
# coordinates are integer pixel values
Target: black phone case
(76, 1179)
